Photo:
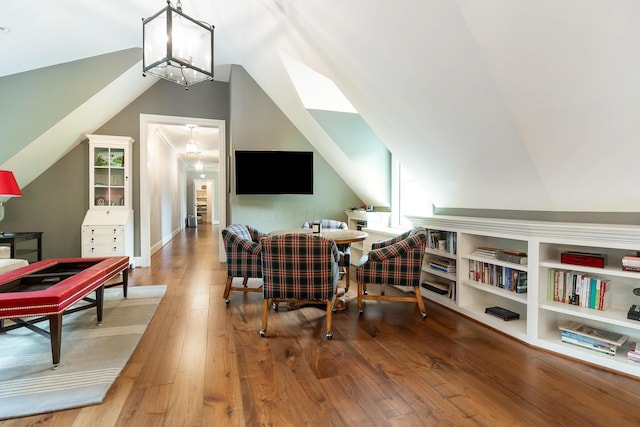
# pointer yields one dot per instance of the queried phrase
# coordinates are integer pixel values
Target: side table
(12, 239)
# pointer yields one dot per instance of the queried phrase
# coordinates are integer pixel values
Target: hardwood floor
(201, 363)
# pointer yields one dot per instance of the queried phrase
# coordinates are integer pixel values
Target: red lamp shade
(8, 185)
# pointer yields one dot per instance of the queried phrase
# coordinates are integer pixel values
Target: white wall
(165, 192)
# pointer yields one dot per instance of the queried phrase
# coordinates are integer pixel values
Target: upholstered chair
(395, 262)
(299, 268)
(343, 249)
(242, 245)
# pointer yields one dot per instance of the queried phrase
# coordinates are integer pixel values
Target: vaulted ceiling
(496, 104)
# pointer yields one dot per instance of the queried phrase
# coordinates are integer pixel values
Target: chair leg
(346, 279)
(265, 311)
(361, 290)
(244, 281)
(227, 289)
(420, 302)
(329, 312)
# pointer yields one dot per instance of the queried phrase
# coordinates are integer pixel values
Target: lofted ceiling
(495, 104)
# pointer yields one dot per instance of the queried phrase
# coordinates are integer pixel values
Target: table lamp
(8, 188)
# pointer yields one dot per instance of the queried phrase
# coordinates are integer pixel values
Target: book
(584, 259)
(512, 256)
(486, 252)
(588, 346)
(609, 337)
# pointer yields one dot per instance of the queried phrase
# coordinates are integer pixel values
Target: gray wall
(256, 123)
(57, 200)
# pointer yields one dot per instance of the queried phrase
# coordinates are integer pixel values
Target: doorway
(147, 121)
(203, 196)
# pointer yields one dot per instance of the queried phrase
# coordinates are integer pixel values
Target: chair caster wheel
(275, 307)
(227, 301)
(329, 336)
(424, 315)
(365, 293)
(346, 290)
(334, 310)
(361, 310)
(263, 333)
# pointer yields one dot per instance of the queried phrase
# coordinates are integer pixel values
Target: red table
(47, 289)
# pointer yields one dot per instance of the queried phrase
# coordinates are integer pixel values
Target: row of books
(443, 240)
(581, 289)
(503, 277)
(446, 265)
(600, 340)
(508, 255)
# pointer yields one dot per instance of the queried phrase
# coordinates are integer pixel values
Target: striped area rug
(92, 356)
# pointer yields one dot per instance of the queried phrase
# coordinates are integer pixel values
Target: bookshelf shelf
(484, 287)
(540, 316)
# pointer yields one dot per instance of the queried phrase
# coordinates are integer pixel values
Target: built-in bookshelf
(439, 266)
(540, 313)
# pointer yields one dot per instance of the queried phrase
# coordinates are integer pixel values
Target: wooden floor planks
(203, 363)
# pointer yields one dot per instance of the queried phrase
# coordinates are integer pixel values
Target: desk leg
(55, 328)
(99, 303)
(125, 282)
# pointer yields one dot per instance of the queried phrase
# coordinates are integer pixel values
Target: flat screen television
(273, 172)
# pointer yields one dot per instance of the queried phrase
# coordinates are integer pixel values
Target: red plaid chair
(299, 268)
(344, 250)
(242, 245)
(396, 262)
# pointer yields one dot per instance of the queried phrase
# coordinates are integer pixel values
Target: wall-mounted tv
(273, 172)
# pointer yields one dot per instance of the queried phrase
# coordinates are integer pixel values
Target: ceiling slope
(494, 104)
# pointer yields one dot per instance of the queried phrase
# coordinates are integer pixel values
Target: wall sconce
(176, 47)
(8, 188)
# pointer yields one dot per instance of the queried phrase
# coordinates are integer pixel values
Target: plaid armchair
(242, 245)
(344, 250)
(396, 262)
(297, 268)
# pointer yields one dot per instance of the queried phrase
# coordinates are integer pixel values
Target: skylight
(316, 91)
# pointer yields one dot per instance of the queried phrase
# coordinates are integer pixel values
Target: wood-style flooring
(203, 363)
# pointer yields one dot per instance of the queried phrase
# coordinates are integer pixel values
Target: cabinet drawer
(101, 239)
(102, 250)
(103, 230)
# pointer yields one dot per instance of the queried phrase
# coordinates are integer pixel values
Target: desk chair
(242, 245)
(299, 268)
(396, 262)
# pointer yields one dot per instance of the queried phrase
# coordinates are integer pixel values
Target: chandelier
(176, 47)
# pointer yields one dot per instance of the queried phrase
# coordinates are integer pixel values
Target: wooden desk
(10, 239)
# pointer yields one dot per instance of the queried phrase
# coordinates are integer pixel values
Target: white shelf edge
(485, 287)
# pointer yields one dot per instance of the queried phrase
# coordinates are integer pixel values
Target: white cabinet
(107, 233)
(541, 316)
(107, 229)
(359, 220)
